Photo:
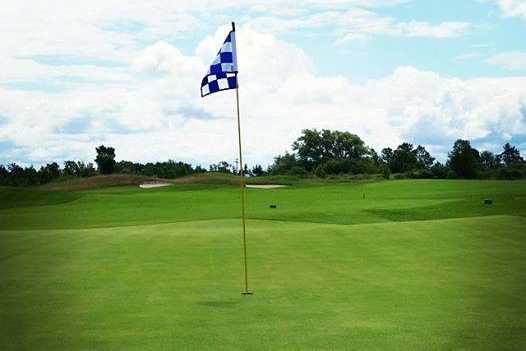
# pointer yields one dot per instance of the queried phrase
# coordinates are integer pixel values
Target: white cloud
(358, 23)
(425, 29)
(157, 113)
(512, 60)
(512, 8)
(148, 106)
(99, 32)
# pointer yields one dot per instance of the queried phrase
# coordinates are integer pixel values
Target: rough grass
(209, 178)
(229, 179)
(96, 182)
(416, 265)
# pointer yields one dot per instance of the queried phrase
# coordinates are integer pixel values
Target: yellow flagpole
(242, 190)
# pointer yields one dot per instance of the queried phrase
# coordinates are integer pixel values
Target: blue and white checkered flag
(222, 74)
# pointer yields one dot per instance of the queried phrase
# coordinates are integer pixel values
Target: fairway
(389, 265)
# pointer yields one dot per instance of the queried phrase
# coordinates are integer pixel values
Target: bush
(399, 176)
(439, 170)
(298, 171)
(364, 166)
(510, 173)
(487, 174)
(337, 166)
(422, 174)
(346, 166)
(320, 171)
(386, 172)
(451, 174)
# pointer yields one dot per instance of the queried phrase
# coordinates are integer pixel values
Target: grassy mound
(113, 180)
(340, 203)
(230, 179)
(209, 178)
(96, 182)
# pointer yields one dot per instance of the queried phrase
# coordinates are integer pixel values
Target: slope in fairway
(384, 283)
(328, 203)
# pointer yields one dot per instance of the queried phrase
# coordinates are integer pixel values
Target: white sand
(153, 185)
(266, 186)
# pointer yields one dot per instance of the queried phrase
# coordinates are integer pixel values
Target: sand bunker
(153, 185)
(266, 186)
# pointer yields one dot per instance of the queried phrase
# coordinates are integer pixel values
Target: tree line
(314, 153)
(15, 175)
(324, 153)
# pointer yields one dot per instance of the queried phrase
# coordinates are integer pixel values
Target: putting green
(414, 266)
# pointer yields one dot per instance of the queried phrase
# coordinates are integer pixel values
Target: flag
(222, 74)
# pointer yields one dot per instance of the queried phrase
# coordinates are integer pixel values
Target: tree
(404, 159)
(16, 175)
(510, 156)
(314, 148)
(86, 169)
(438, 170)
(71, 169)
(105, 159)
(199, 169)
(4, 176)
(387, 155)
(53, 169)
(138, 168)
(257, 171)
(224, 167)
(284, 164)
(386, 171)
(488, 160)
(423, 157)
(30, 176)
(148, 169)
(464, 160)
(309, 148)
(124, 167)
(221, 167)
(49, 172)
(19, 176)
(375, 157)
(181, 169)
(336, 166)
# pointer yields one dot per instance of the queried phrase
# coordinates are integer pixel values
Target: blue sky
(127, 73)
(462, 57)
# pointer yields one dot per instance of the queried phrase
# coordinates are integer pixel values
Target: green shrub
(298, 171)
(320, 171)
(386, 172)
(338, 166)
(399, 176)
(510, 173)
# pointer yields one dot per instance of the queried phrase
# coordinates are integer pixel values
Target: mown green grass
(416, 265)
(320, 203)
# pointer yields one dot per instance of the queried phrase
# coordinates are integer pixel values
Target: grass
(100, 181)
(416, 265)
(209, 178)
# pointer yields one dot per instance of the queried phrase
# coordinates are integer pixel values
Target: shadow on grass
(473, 207)
(28, 197)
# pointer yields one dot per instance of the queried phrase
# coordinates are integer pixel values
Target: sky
(126, 73)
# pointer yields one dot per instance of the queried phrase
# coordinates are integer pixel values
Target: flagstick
(242, 185)
(242, 188)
